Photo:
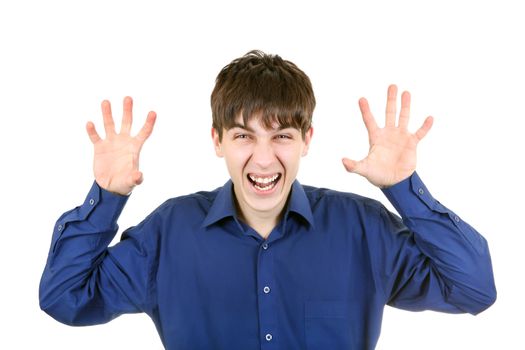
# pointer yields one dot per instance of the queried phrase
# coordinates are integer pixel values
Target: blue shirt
(319, 281)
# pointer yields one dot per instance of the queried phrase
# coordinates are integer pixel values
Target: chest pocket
(329, 325)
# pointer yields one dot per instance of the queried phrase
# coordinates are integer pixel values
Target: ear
(307, 139)
(216, 142)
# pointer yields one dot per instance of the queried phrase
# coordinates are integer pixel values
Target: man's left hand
(392, 154)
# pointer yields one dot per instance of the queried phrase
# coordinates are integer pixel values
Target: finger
(134, 179)
(425, 128)
(127, 117)
(109, 125)
(404, 115)
(368, 118)
(146, 130)
(353, 166)
(137, 178)
(391, 106)
(92, 132)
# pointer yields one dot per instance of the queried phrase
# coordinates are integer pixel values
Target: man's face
(262, 164)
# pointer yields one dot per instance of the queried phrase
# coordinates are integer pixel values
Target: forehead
(258, 123)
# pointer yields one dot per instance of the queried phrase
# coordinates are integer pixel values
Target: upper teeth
(264, 180)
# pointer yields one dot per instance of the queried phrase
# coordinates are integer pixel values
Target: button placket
(266, 299)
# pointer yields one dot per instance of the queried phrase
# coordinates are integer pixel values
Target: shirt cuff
(411, 198)
(101, 208)
(108, 205)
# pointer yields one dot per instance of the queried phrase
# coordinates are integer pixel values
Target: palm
(392, 153)
(116, 160)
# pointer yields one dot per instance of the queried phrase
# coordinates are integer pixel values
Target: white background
(462, 61)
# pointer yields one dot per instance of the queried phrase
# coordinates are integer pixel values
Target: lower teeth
(266, 188)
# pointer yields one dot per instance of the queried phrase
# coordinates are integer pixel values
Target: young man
(264, 262)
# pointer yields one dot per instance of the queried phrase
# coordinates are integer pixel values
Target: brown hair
(266, 86)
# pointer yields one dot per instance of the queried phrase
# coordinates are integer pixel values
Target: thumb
(352, 166)
(137, 178)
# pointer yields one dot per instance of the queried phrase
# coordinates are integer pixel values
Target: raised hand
(116, 160)
(392, 154)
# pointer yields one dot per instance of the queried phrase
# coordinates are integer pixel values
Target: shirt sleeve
(85, 282)
(431, 259)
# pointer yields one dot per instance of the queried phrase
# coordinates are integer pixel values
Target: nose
(263, 154)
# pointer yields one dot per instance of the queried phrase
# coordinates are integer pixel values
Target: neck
(262, 222)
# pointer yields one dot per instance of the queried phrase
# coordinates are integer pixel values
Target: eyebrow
(247, 128)
(240, 126)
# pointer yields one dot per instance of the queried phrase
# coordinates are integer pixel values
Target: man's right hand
(116, 161)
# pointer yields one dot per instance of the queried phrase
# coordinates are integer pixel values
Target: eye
(283, 137)
(241, 136)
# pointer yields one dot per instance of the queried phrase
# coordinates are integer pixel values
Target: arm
(84, 282)
(431, 259)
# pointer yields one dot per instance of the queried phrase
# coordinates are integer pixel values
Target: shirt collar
(223, 205)
(300, 204)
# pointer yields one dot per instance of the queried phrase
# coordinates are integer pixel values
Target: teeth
(265, 188)
(264, 180)
(264, 183)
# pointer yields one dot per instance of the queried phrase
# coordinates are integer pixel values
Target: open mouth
(264, 183)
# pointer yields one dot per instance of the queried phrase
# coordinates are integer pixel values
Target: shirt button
(91, 201)
(268, 337)
(421, 191)
(60, 227)
(456, 218)
(266, 290)
(265, 246)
